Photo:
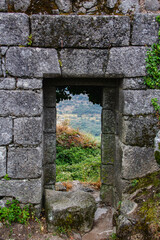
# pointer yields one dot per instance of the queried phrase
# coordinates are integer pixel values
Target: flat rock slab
(73, 210)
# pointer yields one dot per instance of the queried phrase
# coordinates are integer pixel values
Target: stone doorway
(109, 131)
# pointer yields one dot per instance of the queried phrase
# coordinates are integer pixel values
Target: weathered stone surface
(106, 194)
(111, 3)
(138, 101)
(2, 161)
(128, 207)
(26, 191)
(20, 4)
(1, 73)
(64, 5)
(128, 6)
(123, 223)
(50, 120)
(80, 31)
(20, 103)
(109, 98)
(29, 83)
(28, 131)
(108, 121)
(83, 63)
(108, 148)
(7, 83)
(107, 174)
(133, 84)
(14, 29)
(89, 4)
(49, 174)
(145, 29)
(60, 187)
(126, 62)
(49, 148)
(137, 162)
(24, 162)
(152, 5)
(139, 131)
(71, 209)
(31, 62)
(5, 131)
(157, 147)
(49, 93)
(3, 6)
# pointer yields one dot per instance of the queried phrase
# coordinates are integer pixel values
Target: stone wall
(94, 47)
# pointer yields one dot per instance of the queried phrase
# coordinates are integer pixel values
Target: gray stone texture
(28, 131)
(152, 5)
(26, 191)
(7, 83)
(20, 103)
(24, 163)
(49, 93)
(3, 6)
(29, 83)
(74, 210)
(137, 162)
(108, 121)
(133, 84)
(14, 29)
(157, 147)
(49, 148)
(83, 63)
(108, 148)
(49, 174)
(138, 101)
(107, 174)
(106, 194)
(2, 161)
(139, 130)
(80, 31)
(89, 4)
(129, 6)
(145, 29)
(111, 3)
(64, 5)
(109, 98)
(31, 62)
(50, 120)
(1, 67)
(126, 62)
(21, 5)
(5, 131)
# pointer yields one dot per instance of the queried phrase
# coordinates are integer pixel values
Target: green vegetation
(30, 40)
(78, 155)
(6, 177)
(152, 79)
(14, 213)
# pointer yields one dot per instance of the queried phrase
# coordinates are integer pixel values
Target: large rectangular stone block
(50, 120)
(29, 83)
(32, 62)
(49, 174)
(83, 63)
(28, 131)
(20, 103)
(138, 101)
(24, 162)
(109, 98)
(5, 131)
(26, 191)
(7, 83)
(2, 161)
(139, 130)
(80, 31)
(3, 6)
(49, 93)
(133, 84)
(49, 148)
(14, 29)
(126, 62)
(145, 29)
(137, 162)
(107, 174)
(106, 194)
(108, 121)
(108, 148)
